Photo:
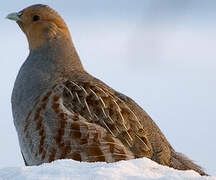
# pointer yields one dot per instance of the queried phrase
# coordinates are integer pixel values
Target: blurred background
(160, 53)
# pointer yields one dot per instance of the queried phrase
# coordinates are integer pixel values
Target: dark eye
(36, 18)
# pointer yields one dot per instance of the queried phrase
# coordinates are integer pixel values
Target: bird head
(40, 23)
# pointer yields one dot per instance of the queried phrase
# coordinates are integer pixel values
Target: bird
(60, 111)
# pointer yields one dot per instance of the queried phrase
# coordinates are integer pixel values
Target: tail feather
(181, 162)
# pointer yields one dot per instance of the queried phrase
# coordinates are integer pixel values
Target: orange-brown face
(39, 23)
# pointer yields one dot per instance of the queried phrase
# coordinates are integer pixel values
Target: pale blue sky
(160, 53)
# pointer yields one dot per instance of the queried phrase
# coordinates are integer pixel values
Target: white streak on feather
(143, 142)
(130, 111)
(94, 93)
(110, 119)
(102, 90)
(108, 128)
(119, 110)
(104, 112)
(76, 85)
(77, 97)
(87, 107)
(83, 90)
(102, 102)
(68, 90)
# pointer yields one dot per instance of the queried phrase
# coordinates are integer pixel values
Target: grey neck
(58, 52)
(44, 66)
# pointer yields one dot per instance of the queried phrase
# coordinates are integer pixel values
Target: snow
(136, 169)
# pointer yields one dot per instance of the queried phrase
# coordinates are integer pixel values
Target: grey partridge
(62, 112)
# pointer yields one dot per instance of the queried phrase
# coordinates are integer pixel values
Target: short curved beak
(13, 16)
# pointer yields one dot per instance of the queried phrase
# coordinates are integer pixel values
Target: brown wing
(99, 105)
(82, 121)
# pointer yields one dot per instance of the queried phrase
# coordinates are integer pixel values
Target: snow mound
(144, 169)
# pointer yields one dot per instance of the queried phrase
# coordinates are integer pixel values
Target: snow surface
(69, 169)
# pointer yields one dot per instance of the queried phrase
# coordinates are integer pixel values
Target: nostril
(20, 13)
